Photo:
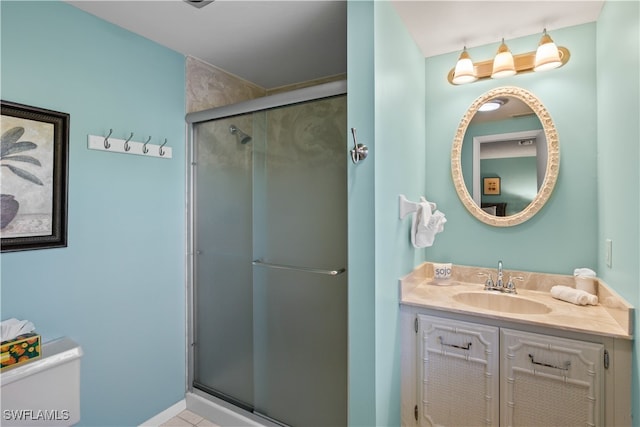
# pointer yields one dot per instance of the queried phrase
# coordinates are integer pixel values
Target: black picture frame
(34, 168)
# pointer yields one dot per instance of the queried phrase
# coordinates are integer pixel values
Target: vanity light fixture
(465, 71)
(546, 57)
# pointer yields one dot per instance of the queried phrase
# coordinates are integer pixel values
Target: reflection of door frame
(537, 134)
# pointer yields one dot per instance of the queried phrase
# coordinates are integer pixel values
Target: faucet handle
(488, 284)
(510, 288)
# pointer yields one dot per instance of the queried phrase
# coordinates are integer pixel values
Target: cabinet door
(550, 381)
(458, 373)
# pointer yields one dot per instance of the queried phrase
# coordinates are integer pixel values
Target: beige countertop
(612, 317)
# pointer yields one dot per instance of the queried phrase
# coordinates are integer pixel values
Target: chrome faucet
(500, 280)
(500, 285)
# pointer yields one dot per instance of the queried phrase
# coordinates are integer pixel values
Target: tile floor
(187, 418)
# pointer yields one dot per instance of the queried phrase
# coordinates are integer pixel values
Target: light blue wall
(618, 50)
(518, 185)
(563, 234)
(118, 288)
(361, 250)
(387, 107)
(399, 166)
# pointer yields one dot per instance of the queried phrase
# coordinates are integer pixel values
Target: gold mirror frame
(553, 161)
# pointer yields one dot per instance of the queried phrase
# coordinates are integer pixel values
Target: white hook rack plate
(118, 146)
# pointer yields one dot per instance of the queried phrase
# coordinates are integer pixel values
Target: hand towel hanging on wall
(427, 222)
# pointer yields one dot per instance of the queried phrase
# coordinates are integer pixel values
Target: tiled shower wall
(209, 86)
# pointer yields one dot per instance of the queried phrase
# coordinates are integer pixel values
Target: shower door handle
(261, 263)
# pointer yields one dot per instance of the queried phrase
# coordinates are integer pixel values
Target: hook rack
(127, 146)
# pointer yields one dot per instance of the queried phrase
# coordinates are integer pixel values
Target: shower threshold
(223, 413)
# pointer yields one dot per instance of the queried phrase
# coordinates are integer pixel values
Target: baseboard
(165, 415)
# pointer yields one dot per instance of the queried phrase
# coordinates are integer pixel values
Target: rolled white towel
(574, 296)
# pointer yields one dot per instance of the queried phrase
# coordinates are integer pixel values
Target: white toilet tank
(45, 392)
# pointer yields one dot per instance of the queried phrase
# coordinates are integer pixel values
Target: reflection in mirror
(513, 147)
(508, 143)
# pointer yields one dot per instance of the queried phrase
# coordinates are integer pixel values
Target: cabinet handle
(463, 347)
(567, 364)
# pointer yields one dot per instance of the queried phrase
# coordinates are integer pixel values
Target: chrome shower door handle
(336, 272)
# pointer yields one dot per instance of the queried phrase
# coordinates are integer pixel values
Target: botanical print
(26, 180)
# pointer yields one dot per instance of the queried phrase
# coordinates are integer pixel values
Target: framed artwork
(491, 186)
(33, 181)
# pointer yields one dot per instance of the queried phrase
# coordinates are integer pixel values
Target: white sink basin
(506, 303)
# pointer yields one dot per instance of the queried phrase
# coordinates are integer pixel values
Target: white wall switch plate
(607, 252)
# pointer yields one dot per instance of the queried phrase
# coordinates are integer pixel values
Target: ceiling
(446, 26)
(276, 43)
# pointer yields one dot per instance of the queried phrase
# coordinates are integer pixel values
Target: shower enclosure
(268, 237)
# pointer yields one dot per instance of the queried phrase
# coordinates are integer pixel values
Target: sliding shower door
(223, 277)
(270, 289)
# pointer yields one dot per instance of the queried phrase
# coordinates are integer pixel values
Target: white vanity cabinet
(457, 373)
(550, 381)
(460, 370)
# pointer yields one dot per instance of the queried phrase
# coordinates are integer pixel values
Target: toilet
(45, 392)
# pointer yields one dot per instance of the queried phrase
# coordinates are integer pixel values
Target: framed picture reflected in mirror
(491, 186)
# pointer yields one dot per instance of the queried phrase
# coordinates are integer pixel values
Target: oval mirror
(505, 157)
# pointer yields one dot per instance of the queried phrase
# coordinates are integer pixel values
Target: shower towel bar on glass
(261, 263)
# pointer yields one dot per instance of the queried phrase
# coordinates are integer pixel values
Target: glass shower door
(223, 277)
(300, 288)
(270, 291)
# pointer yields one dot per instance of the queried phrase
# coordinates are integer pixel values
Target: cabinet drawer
(550, 381)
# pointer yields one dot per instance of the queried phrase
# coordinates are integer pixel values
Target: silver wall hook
(127, 147)
(160, 150)
(107, 145)
(359, 151)
(145, 150)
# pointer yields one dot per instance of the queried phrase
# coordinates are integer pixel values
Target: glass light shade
(465, 70)
(547, 55)
(493, 104)
(490, 106)
(503, 65)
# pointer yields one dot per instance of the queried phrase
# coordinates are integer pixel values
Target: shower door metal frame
(312, 93)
